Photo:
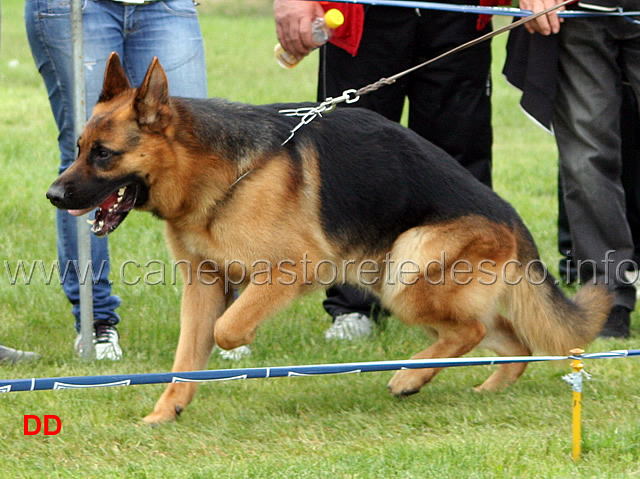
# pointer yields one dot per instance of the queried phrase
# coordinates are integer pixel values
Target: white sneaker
(106, 343)
(235, 354)
(350, 326)
(12, 356)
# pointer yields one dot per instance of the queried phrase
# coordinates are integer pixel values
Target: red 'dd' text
(33, 425)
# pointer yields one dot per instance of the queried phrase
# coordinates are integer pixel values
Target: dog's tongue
(105, 205)
(79, 212)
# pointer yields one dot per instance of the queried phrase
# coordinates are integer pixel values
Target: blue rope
(620, 353)
(81, 382)
(508, 11)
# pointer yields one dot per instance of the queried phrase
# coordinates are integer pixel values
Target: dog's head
(118, 150)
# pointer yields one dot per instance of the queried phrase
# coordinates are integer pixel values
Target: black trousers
(449, 101)
(630, 134)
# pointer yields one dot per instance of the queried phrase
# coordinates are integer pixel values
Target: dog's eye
(103, 154)
(102, 157)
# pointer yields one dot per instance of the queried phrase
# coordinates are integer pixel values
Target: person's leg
(589, 88)
(353, 312)
(630, 133)
(450, 99)
(170, 31)
(49, 33)
(630, 126)
(630, 153)
(566, 265)
(386, 48)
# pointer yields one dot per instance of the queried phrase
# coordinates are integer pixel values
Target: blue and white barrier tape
(81, 382)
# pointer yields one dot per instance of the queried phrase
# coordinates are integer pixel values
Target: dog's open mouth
(112, 210)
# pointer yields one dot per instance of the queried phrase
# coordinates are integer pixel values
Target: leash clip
(308, 114)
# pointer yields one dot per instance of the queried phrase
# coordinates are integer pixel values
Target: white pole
(84, 233)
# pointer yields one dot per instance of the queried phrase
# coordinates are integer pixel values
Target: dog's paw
(405, 383)
(158, 417)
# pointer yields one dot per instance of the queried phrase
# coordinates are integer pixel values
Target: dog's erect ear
(152, 100)
(115, 80)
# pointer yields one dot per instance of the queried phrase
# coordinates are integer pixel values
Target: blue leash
(507, 11)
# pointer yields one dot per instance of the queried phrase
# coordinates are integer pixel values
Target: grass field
(323, 427)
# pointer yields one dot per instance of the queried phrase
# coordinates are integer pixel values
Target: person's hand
(293, 25)
(545, 24)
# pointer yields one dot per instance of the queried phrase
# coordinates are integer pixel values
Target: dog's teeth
(119, 199)
(91, 222)
(101, 224)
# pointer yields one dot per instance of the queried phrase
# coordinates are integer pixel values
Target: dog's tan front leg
(237, 326)
(201, 305)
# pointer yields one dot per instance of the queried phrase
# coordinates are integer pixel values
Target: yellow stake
(577, 365)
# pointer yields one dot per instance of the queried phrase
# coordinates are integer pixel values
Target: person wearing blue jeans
(167, 29)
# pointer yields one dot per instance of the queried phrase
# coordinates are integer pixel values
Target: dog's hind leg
(502, 339)
(453, 295)
(455, 338)
(201, 305)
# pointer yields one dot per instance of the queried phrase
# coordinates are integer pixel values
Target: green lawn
(322, 427)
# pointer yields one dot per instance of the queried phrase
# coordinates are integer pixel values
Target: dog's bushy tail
(546, 320)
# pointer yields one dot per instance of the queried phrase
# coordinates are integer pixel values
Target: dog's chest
(202, 243)
(229, 244)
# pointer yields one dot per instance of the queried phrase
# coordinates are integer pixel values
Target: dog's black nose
(56, 194)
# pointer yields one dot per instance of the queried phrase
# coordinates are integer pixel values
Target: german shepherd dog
(352, 197)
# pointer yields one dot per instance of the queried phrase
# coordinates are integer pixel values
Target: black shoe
(617, 325)
(599, 5)
(12, 356)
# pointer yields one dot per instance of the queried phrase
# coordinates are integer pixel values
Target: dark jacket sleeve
(531, 66)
